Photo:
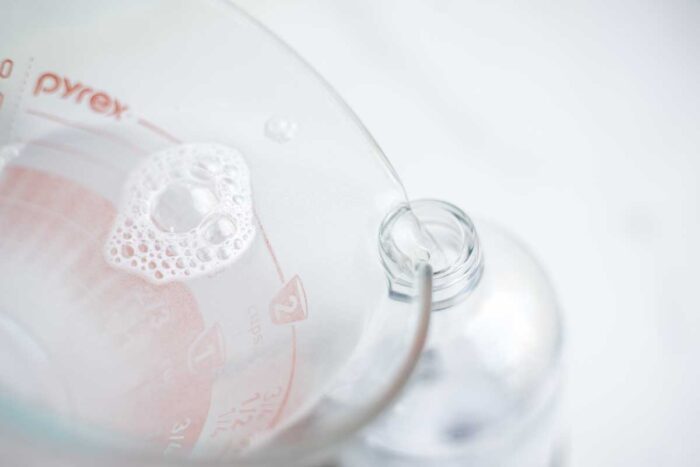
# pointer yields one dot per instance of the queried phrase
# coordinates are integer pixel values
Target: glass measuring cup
(188, 222)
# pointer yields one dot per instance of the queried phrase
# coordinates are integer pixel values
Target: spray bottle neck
(436, 232)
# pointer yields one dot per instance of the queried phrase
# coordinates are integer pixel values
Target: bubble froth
(186, 211)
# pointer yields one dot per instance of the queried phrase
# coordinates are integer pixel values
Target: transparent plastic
(486, 388)
(188, 234)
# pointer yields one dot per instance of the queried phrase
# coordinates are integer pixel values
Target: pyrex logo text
(98, 101)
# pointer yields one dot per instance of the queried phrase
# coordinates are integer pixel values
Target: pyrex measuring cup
(188, 234)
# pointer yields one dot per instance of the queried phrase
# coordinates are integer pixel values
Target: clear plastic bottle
(485, 390)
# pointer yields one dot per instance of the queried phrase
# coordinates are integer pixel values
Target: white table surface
(576, 125)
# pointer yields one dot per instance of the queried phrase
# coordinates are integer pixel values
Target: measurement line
(102, 133)
(292, 372)
(269, 247)
(275, 420)
(158, 130)
(20, 95)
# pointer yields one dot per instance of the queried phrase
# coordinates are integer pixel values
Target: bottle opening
(436, 232)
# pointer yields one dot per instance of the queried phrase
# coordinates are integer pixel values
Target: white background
(576, 125)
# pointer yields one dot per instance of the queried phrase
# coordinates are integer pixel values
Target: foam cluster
(186, 212)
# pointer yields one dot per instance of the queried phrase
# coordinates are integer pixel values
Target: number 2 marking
(287, 309)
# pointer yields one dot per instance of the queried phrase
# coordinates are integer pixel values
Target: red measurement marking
(268, 245)
(58, 147)
(289, 305)
(177, 435)
(278, 416)
(292, 372)
(6, 68)
(72, 124)
(207, 354)
(248, 416)
(157, 130)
